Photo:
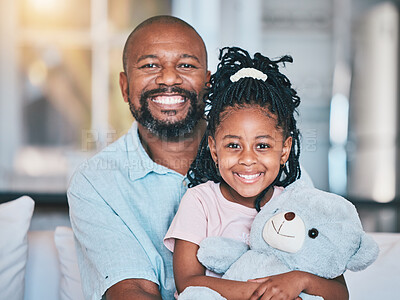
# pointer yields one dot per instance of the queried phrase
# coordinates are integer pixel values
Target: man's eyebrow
(143, 57)
(190, 56)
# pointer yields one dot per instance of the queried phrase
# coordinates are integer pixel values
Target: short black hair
(275, 93)
(162, 19)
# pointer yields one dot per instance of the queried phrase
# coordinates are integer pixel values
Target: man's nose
(247, 157)
(168, 76)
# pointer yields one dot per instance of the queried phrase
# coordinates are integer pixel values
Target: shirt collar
(140, 164)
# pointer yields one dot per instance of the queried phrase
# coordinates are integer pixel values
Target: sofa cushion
(382, 279)
(70, 284)
(15, 218)
(43, 274)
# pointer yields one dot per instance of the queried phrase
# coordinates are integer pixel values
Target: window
(60, 98)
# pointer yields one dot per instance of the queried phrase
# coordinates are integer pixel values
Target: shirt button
(184, 183)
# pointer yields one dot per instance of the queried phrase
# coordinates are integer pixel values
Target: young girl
(249, 153)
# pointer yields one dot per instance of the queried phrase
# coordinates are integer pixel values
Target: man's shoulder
(117, 155)
(114, 152)
(115, 158)
(101, 172)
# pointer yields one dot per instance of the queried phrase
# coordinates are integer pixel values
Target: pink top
(205, 212)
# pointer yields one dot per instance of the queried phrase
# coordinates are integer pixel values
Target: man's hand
(133, 289)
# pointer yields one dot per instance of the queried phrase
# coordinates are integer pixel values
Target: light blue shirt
(121, 205)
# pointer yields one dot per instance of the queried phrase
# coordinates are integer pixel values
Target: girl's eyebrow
(265, 136)
(231, 136)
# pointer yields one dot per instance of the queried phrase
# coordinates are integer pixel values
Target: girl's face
(249, 150)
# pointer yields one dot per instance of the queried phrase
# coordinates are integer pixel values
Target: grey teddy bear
(302, 229)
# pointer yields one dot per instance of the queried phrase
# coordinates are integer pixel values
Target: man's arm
(133, 289)
(108, 251)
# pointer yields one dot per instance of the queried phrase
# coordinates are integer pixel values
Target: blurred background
(60, 100)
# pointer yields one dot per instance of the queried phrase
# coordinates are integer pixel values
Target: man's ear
(208, 76)
(124, 86)
(287, 146)
(213, 148)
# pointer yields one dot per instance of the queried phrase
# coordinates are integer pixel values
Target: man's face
(165, 79)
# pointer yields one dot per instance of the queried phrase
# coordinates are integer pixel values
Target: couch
(41, 265)
(38, 264)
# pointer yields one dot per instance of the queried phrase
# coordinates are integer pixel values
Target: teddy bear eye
(313, 233)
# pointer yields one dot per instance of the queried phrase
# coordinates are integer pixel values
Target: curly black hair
(276, 94)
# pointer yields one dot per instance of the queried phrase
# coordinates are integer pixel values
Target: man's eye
(149, 66)
(187, 66)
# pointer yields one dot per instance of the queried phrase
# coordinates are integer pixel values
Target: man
(124, 198)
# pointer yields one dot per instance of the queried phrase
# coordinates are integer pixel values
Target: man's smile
(168, 100)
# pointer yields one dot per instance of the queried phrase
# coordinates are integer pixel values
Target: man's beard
(166, 129)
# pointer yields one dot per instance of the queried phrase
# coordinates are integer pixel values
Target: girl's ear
(213, 148)
(287, 146)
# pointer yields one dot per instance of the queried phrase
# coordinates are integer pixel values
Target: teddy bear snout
(289, 216)
(285, 231)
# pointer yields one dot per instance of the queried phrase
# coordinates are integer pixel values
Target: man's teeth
(168, 100)
(249, 176)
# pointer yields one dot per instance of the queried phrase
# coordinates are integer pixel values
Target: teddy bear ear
(365, 255)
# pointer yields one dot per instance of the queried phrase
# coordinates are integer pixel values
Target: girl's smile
(249, 150)
(249, 178)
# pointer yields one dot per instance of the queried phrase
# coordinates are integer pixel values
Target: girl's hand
(286, 286)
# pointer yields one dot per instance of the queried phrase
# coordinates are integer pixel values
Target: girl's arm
(294, 282)
(189, 272)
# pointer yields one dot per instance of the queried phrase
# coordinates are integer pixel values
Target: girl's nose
(168, 76)
(247, 157)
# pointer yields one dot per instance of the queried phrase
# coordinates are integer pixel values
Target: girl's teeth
(168, 100)
(249, 176)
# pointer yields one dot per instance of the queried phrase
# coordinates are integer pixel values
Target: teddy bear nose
(289, 216)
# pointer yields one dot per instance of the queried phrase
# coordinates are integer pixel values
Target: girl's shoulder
(206, 186)
(205, 190)
(278, 190)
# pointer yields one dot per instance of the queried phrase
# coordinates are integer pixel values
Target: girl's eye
(232, 145)
(263, 146)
